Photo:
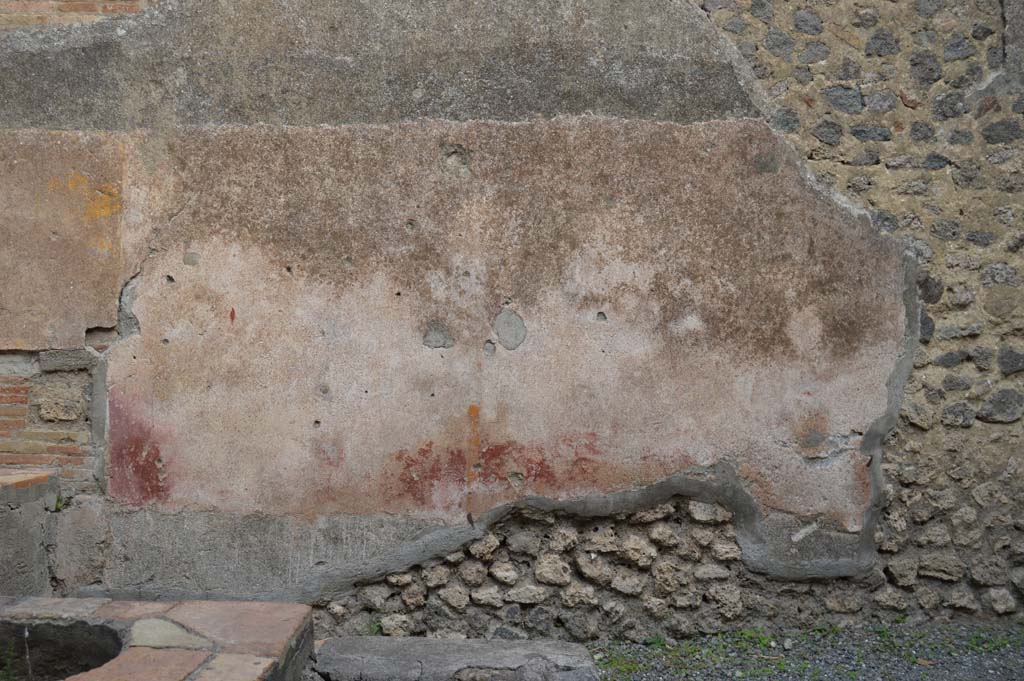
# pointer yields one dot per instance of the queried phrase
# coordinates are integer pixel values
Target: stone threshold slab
(377, 658)
(179, 640)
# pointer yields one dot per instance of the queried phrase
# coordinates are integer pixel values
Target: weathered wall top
(310, 63)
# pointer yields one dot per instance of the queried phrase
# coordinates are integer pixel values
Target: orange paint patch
(98, 203)
(104, 203)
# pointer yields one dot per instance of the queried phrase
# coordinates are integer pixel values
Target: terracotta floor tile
(254, 628)
(147, 664)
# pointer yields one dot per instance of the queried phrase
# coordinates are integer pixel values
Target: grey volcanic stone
(1001, 132)
(845, 99)
(762, 9)
(925, 67)
(948, 105)
(779, 43)
(280, 64)
(370, 658)
(958, 48)
(1006, 406)
(806, 21)
(1010, 360)
(881, 44)
(921, 132)
(828, 132)
(929, 8)
(871, 133)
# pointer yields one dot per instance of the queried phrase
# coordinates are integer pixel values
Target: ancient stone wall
(914, 110)
(574, 346)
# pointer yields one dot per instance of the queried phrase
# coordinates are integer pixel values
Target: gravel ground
(901, 652)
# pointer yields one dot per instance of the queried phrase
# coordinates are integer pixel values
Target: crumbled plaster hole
(455, 159)
(437, 335)
(510, 328)
(489, 348)
(602, 317)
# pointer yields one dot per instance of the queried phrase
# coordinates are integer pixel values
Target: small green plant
(656, 641)
(7, 659)
(619, 663)
(755, 637)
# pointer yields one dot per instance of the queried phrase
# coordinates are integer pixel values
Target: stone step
(378, 658)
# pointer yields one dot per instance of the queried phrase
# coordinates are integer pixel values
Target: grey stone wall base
(25, 524)
(369, 658)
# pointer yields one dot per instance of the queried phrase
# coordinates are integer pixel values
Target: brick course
(17, 13)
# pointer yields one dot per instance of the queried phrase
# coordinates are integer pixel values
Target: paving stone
(252, 628)
(154, 633)
(382, 659)
(147, 664)
(235, 667)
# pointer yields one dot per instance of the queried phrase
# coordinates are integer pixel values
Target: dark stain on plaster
(345, 196)
(137, 471)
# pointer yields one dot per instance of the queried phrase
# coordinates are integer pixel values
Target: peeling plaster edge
(871, 445)
(759, 99)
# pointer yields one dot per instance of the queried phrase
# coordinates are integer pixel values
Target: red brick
(56, 436)
(13, 380)
(14, 389)
(26, 459)
(12, 6)
(64, 449)
(12, 424)
(13, 410)
(87, 7)
(21, 479)
(13, 399)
